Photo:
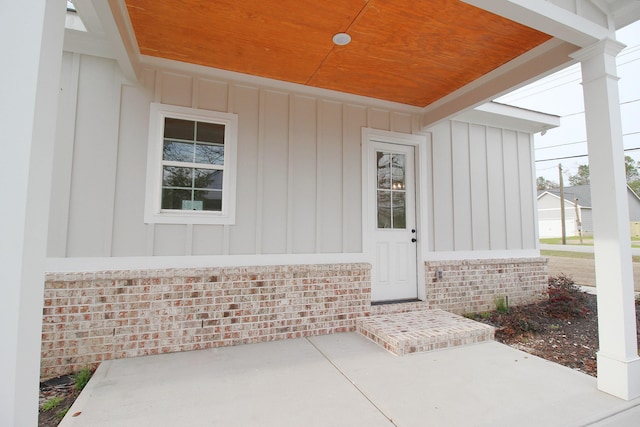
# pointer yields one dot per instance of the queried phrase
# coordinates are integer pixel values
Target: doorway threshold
(395, 301)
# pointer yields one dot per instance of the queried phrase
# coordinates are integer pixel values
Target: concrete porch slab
(344, 380)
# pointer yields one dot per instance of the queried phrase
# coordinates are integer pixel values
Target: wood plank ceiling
(408, 51)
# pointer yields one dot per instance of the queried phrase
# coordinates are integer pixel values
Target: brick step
(422, 330)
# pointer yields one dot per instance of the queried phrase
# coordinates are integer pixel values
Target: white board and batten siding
(299, 166)
(482, 190)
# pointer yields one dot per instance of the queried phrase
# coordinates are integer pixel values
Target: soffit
(406, 51)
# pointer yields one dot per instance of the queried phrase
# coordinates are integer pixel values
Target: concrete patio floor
(344, 380)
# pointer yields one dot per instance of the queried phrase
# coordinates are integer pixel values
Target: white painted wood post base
(618, 377)
(618, 363)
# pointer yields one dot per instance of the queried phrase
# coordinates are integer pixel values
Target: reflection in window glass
(210, 154)
(399, 210)
(193, 165)
(391, 195)
(384, 209)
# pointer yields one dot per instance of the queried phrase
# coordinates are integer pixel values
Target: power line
(581, 155)
(578, 142)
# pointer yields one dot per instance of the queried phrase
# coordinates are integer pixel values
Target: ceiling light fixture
(342, 39)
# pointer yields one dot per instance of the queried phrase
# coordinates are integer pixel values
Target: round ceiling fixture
(342, 39)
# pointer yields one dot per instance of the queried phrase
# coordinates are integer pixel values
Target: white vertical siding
(94, 158)
(462, 208)
(129, 231)
(527, 189)
(355, 118)
(299, 166)
(479, 188)
(512, 189)
(482, 188)
(329, 207)
(302, 185)
(242, 235)
(442, 188)
(63, 157)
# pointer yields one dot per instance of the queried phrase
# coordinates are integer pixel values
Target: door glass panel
(384, 209)
(391, 195)
(399, 210)
(397, 171)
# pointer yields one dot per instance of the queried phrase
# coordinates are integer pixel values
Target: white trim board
(71, 265)
(479, 255)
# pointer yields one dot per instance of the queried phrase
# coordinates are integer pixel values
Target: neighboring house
(549, 214)
(222, 173)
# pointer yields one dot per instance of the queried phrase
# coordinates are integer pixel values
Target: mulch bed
(571, 341)
(62, 387)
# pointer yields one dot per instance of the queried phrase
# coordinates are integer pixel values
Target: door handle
(413, 240)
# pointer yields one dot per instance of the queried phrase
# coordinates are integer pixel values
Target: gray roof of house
(581, 192)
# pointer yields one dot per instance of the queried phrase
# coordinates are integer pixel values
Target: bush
(566, 300)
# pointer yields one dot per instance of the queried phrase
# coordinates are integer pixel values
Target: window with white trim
(191, 166)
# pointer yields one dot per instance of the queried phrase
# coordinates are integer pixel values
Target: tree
(580, 178)
(631, 170)
(545, 184)
(633, 175)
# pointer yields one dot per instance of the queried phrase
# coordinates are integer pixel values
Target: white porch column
(618, 362)
(31, 36)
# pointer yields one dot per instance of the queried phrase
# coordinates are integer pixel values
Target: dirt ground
(583, 270)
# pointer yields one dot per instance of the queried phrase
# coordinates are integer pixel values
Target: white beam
(31, 37)
(618, 362)
(110, 32)
(535, 64)
(548, 18)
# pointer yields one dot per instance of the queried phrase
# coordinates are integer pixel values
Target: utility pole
(578, 222)
(564, 231)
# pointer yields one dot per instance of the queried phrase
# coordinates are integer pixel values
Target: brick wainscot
(90, 317)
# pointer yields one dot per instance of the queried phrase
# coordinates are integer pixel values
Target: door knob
(413, 230)
(413, 240)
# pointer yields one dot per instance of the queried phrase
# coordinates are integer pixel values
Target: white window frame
(153, 213)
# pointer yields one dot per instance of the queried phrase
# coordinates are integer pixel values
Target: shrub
(566, 300)
(502, 306)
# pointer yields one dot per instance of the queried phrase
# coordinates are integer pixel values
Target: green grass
(586, 241)
(51, 403)
(568, 254)
(82, 378)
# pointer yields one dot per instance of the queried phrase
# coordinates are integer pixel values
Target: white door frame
(420, 144)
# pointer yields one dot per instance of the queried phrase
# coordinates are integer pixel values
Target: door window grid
(391, 190)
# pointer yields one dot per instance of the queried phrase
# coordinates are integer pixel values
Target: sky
(561, 94)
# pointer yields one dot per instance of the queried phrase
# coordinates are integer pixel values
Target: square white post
(31, 38)
(618, 362)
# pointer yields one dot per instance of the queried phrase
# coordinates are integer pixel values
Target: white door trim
(420, 144)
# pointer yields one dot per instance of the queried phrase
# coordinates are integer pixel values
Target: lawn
(586, 241)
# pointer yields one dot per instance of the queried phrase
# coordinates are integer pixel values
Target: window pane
(210, 154)
(384, 209)
(174, 199)
(399, 210)
(211, 200)
(397, 171)
(210, 132)
(207, 178)
(173, 176)
(177, 151)
(179, 129)
(384, 170)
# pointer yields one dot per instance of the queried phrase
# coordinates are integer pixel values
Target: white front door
(392, 192)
